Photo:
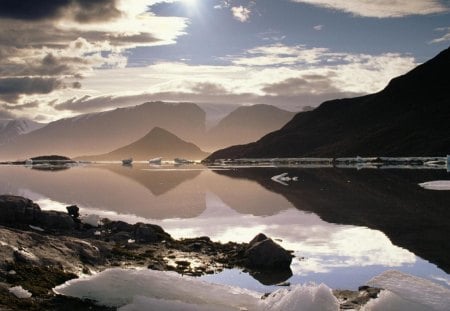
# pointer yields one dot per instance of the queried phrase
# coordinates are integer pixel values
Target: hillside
(157, 143)
(247, 124)
(409, 117)
(10, 129)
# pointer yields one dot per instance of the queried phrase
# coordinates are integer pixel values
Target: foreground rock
(264, 253)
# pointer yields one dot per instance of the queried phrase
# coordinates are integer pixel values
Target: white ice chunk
(387, 300)
(91, 219)
(19, 292)
(36, 228)
(303, 297)
(414, 289)
(436, 185)
(156, 290)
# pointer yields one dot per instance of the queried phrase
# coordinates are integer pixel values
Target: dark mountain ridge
(409, 117)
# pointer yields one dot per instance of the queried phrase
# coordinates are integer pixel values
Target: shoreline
(43, 249)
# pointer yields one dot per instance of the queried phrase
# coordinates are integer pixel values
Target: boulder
(149, 233)
(266, 254)
(56, 220)
(18, 210)
(145, 233)
(73, 211)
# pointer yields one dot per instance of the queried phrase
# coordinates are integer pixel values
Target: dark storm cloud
(49, 65)
(12, 88)
(79, 10)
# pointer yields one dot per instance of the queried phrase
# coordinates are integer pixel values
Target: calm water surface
(345, 225)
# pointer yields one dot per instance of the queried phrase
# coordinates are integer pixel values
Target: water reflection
(237, 204)
(389, 201)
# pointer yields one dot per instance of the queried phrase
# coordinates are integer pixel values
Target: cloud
(279, 54)
(444, 38)
(31, 104)
(46, 45)
(12, 88)
(318, 27)
(382, 8)
(240, 13)
(79, 10)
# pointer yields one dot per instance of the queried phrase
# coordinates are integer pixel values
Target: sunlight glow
(189, 2)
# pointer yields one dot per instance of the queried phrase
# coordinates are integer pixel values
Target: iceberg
(409, 292)
(436, 185)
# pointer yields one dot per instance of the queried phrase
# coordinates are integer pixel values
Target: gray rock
(56, 220)
(258, 238)
(121, 236)
(145, 233)
(266, 254)
(18, 210)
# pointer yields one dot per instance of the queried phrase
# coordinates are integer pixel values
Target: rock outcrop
(264, 253)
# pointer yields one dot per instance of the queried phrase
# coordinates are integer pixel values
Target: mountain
(102, 132)
(10, 129)
(409, 117)
(247, 124)
(157, 143)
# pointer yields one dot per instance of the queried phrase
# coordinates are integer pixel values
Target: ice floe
(156, 290)
(19, 292)
(423, 294)
(436, 185)
(142, 289)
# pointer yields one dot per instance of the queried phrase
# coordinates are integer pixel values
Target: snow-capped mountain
(10, 129)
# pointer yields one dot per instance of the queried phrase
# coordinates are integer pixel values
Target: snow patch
(19, 292)
(436, 185)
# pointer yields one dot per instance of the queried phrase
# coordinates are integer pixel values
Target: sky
(61, 58)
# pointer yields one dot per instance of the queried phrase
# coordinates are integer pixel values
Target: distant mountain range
(157, 143)
(102, 132)
(99, 133)
(411, 116)
(247, 124)
(10, 129)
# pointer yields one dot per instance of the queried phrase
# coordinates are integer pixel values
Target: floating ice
(91, 219)
(36, 228)
(436, 185)
(423, 294)
(19, 292)
(387, 300)
(156, 290)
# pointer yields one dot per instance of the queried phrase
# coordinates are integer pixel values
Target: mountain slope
(101, 132)
(247, 124)
(409, 117)
(10, 129)
(157, 143)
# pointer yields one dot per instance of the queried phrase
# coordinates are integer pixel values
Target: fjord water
(345, 225)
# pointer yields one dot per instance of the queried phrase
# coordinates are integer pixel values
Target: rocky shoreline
(42, 249)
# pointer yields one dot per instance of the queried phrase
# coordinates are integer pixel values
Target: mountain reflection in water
(319, 216)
